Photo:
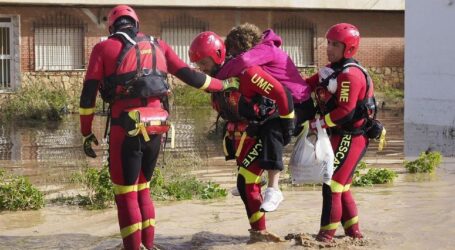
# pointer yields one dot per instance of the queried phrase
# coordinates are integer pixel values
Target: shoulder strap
(364, 71)
(152, 44)
(127, 41)
(156, 45)
(368, 83)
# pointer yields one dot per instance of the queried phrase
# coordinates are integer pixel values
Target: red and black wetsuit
(256, 151)
(349, 148)
(132, 159)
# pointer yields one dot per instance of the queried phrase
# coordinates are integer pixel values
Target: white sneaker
(272, 199)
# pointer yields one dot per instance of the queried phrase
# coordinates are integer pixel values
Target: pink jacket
(274, 61)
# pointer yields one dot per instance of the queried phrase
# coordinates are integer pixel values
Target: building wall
(382, 32)
(429, 113)
(269, 4)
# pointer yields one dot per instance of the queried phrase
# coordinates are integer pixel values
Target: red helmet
(207, 44)
(347, 34)
(119, 11)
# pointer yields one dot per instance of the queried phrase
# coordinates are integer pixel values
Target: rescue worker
(129, 69)
(345, 98)
(244, 124)
(249, 47)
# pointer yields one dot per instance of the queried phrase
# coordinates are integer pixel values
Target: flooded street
(416, 212)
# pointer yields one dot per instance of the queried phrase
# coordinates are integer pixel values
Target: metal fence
(59, 43)
(179, 31)
(298, 40)
(5, 53)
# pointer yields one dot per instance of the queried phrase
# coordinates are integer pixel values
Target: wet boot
(263, 236)
(325, 235)
(353, 232)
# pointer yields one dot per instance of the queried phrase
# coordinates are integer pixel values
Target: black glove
(287, 126)
(88, 140)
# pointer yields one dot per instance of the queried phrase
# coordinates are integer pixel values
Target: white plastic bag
(312, 161)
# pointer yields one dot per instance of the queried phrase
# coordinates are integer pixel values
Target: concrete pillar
(429, 77)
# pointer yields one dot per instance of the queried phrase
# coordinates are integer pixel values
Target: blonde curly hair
(242, 38)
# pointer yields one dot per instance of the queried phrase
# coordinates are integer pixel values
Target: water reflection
(40, 141)
(49, 152)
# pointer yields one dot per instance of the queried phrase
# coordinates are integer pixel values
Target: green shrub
(426, 163)
(190, 97)
(212, 190)
(372, 176)
(183, 187)
(387, 90)
(17, 193)
(175, 185)
(100, 192)
(36, 103)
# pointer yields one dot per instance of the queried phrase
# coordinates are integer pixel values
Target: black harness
(138, 83)
(365, 109)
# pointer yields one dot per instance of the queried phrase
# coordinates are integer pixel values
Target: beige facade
(381, 27)
(269, 4)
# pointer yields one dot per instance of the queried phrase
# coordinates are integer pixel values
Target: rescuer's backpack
(136, 74)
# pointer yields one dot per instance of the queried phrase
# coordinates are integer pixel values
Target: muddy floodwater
(416, 212)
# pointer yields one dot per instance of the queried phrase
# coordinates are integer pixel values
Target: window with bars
(5, 53)
(59, 43)
(298, 37)
(178, 32)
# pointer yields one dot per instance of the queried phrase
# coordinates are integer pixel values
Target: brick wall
(382, 43)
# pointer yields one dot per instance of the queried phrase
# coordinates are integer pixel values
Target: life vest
(140, 70)
(140, 73)
(365, 109)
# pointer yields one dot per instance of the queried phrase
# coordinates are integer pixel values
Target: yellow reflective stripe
(250, 178)
(120, 189)
(288, 116)
(256, 216)
(351, 222)
(143, 186)
(330, 226)
(141, 126)
(346, 188)
(134, 115)
(382, 141)
(336, 187)
(224, 145)
(148, 223)
(127, 231)
(329, 121)
(206, 84)
(88, 111)
(239, 149)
